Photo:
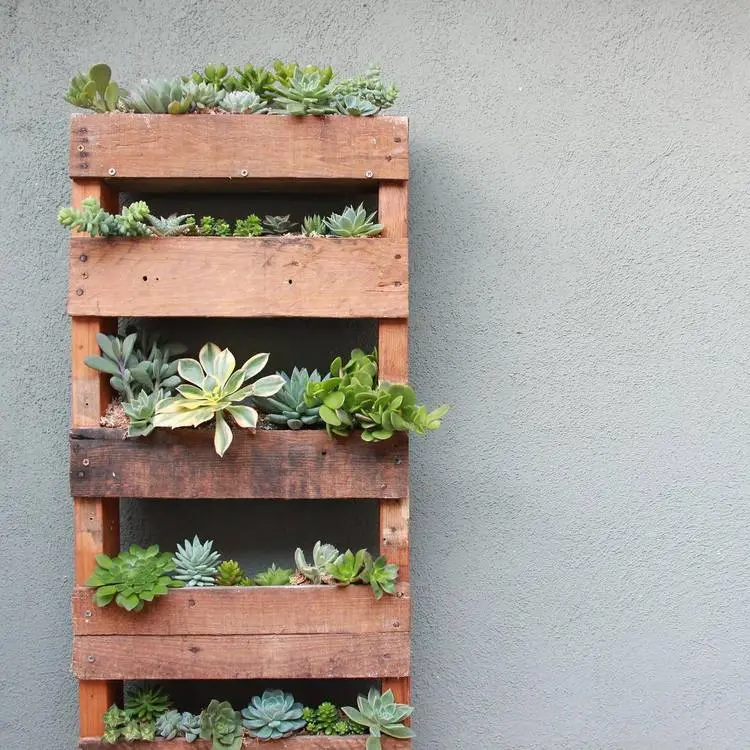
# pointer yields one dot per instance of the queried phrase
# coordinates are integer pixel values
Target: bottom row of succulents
(149, 713)
(139, 575)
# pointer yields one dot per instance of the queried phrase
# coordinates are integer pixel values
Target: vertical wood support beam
(393, 365)
(96, 521)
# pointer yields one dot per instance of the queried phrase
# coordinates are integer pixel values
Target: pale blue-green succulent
(196, 563)
(273, 715)
(381, 715)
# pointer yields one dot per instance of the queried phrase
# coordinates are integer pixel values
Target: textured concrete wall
(580, 295)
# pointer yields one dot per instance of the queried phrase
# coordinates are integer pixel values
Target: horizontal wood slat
(239, 146)
(289, 743)
(239, 277)
(241, 657)
(251, 610)
(267, 464)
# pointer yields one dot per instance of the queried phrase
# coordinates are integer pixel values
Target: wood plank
(251, 610)
(393, 365)
(241, 657)
(239, 146)
(96, 520)
(182, 463)
(239, 277)
(300, 742)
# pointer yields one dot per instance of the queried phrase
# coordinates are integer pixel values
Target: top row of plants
(283, 89)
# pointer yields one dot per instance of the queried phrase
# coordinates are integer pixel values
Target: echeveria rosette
(381, 715)
(221, 724)
(273, 715)
(381, 575)
(132, 578)
(213, 389)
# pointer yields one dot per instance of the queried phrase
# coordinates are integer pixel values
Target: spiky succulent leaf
(322, 557)
(273, 715)
(353, 223)
(221, 724)
(303, 94)
(273, 576)
(314, 226)
(146, 703)
(288, 406)
(348, 567)
(171, 226)
(196, 563)
(278, 225)
(133, 577)
(230, 573)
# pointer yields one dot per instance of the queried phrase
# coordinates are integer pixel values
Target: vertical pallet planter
(345, 633)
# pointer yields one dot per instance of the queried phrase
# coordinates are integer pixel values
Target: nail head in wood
(86, 462)
(81, 147)
(111, 171)
(243, 173)
(83, 258)
(79, 291)
(368, 173)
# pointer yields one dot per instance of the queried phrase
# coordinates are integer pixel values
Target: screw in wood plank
(368, 173)
(91, 659)
(84, 165)
(83, 130)
(111, 171)
(86, 462)
(81, 147)
(81, 474)
(84, 275)
(83, 258)
(88, 613)
(397, 460)
(79, 291)
(243, 173)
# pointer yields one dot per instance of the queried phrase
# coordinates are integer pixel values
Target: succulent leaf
(273, 715)
(196, 563)
(353, 223)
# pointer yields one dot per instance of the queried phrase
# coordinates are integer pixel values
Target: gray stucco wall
(579, 294)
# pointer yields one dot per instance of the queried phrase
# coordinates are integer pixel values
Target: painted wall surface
(580, 295)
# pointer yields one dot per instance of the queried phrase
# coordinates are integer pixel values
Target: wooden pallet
(344, 633)
(290, 743)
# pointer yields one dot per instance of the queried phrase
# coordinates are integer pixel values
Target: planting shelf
(269, 464)
(239, 277)
(300, 742)
(119, 147)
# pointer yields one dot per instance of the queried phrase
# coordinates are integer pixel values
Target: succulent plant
(285, 72)
(95, 90)
(249, 227)
(196, 563)
(314, 226)
(132, 220)
(348, 567)
(230, 573)
(323, 556)
(278, 225)
(159, 97)
(273, 576)
(381, 715)
(214, 74)
(288, 407)
(91, 218)
(243, 102)
(328, 720)
(369, 87)
(353, 223)
(381, 575)
(168, 725)
(211, 227)
(303, 94)
(132, 578)
(221, 724)
(214, 389)
(273, 715)
(172, 226)
(257, 80)
(190, 726)
(117, 726)
(146, 703)
(203, 95)
(354, 106)
(140, 411)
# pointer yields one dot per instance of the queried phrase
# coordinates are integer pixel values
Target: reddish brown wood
(237, 146)
(239, 277)
(182, 463)
(300, 742)
(252, 610)
(241, 657)
(96, 520)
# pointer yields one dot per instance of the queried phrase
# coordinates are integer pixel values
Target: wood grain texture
(393, 365)
(251, 610)
(239, 277)
(304, 464)
(241, 657)
(237, 146)
(300, 742)
(96, 520)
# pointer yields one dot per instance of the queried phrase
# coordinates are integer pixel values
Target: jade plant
(214, 390)
(95, 90)
(196, 563)
(221, 724)
(133, 577)
(273, 576)
(288, 407)
(273, 715)
(353, 223)
(381, 715)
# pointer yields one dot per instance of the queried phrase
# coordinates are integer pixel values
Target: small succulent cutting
(132, 578)
(381, 715)
(92, 219)
(249, 227)
(354, 106)
(230, 573)
(381, 575)
(159, 96)
(196, 563)
(368, 87)
(214, 390)
(171, 226)
(348, 567)
(273, 715)
(243, 102)
(353, 223)
(288, 407)
(314, 226)
(273, 576)
(278, 225)
(303, 94)
(203, 95)
(146, 703)
(168, 725)
(118, 726)
(221, 724)
(95, 90)
(316, 571)
(329, 720)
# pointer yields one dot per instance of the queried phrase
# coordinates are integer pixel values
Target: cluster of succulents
(91, 218)
(284, 88)
(273, 715)
(352, 397)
